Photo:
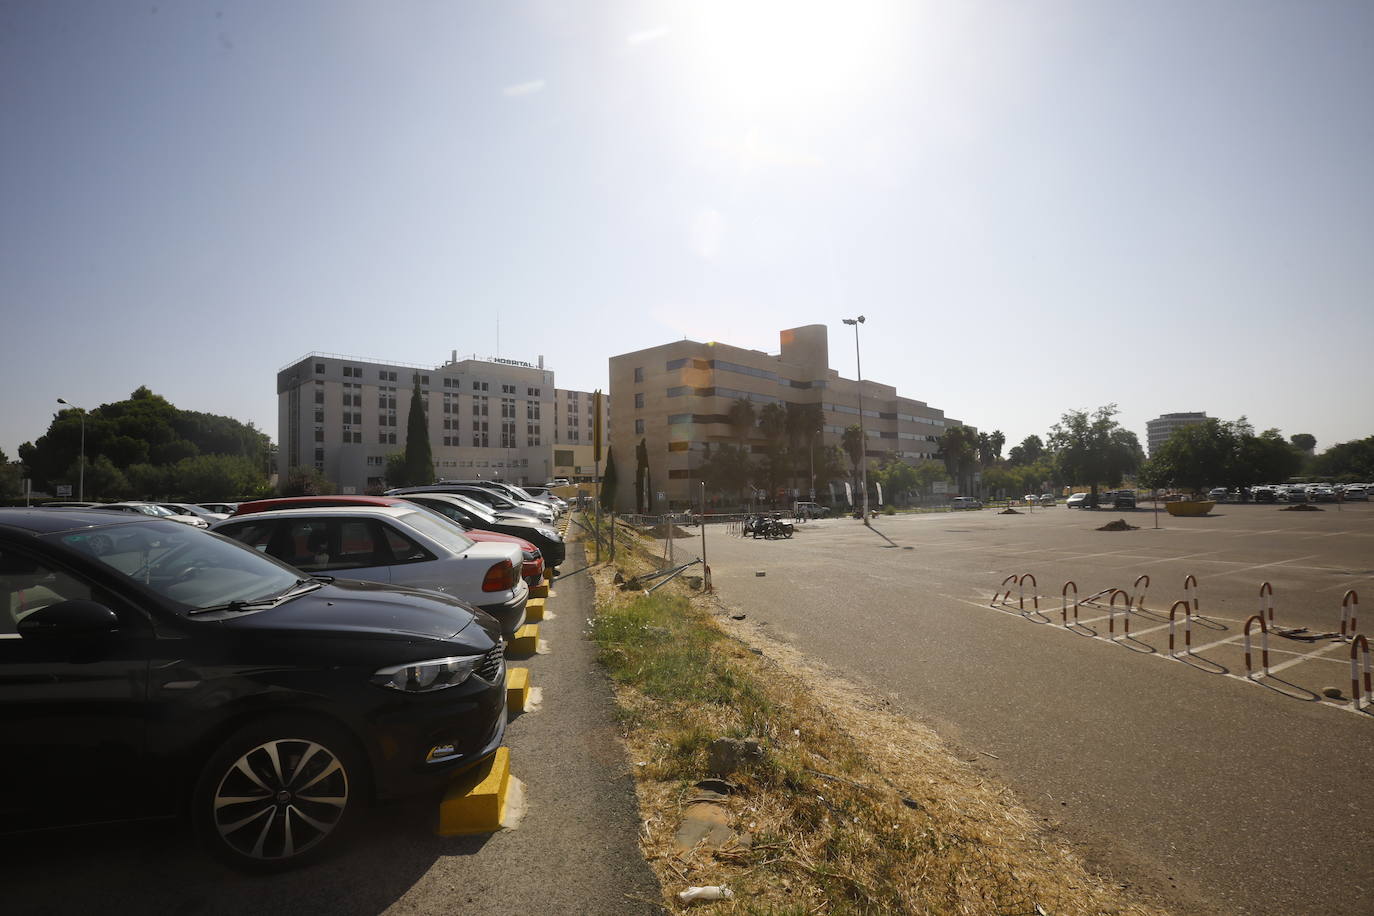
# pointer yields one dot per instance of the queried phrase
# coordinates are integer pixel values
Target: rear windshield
(438, 530)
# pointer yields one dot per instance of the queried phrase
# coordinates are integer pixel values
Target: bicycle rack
(1264, 641)
(1064, 602)
(1021, 592)
(1187, 628)
(1350, 606)
(1355, 644)
(1190, 590)
(1266, 601)
(999, 596)
(1138, 596)
(1111, 613)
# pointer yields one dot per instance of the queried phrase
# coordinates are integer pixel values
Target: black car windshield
(189, 566)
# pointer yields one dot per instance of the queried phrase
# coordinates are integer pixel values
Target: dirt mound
(1302, 507)
(1118, 525)
(1008, 511)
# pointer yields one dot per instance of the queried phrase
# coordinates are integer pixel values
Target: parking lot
(1220, 791)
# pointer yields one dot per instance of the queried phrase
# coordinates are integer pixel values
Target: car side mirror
(77, 619)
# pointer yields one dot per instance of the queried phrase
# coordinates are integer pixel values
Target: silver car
(398, 546)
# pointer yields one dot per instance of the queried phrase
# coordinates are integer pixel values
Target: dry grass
(853, 809)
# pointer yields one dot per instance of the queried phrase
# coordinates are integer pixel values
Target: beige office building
(1162, 428)
(488, 418)
(677, 398)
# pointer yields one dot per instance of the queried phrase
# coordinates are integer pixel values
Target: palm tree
(741, 417)
(805, 423)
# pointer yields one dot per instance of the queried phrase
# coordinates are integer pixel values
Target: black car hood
(366, 608)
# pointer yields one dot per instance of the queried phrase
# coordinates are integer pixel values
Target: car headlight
(423, 677)
(548, 533)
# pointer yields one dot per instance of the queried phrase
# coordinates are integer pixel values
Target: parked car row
(266, 677)
(1295, 493)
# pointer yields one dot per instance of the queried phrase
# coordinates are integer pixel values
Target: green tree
(218, 477)
(608, 482)
(148, 481)
(805, 426)
(959, 450)
(1303, 442)
(143, 429)
(11, 474)
(727, 470)
(1220, 453)
(1090, 450)
(1353, 461)
(741, 418)
(1028, 452)
(396, 470)
(1004, 480)
(929, 473)
(419, 456)
(852, 441)
(641, 475)
(898, 479)
(306, 482)
(104, 481)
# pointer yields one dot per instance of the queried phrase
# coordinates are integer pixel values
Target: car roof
(57, 518)
(372, 511)
(314, 502)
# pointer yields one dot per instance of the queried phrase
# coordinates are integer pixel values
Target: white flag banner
(848, 493)
(880, 493)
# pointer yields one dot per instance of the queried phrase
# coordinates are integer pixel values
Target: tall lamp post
(863, 436)
(81, 467)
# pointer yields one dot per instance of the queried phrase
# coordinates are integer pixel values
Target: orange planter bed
(1190, 508)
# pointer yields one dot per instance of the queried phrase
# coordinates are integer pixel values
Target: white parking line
(1255, 680)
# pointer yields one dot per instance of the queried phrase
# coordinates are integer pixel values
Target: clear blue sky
(1039, 206)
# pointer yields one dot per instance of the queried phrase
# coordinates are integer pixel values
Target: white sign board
(64, 489)
(940, 487)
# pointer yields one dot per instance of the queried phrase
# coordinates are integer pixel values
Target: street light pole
(863, 436)
(81, 466)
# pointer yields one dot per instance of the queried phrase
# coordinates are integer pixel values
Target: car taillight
(499, 578)
(532, 567)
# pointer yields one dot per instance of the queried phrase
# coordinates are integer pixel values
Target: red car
(531, 570)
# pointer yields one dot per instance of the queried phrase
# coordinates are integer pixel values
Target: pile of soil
(1008, 511)
(1118, 525)
(1302, 507)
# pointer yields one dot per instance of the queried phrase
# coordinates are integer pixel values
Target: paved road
(575, 852)
(1221, 794)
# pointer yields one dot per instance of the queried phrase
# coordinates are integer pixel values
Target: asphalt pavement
(575, 851)
(1218, 792)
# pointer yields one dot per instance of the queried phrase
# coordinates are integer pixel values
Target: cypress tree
(419, 463)
(608, 482)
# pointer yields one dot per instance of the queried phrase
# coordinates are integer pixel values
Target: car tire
(250, 805)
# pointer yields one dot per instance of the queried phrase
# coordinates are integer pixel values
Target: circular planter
(1189, 507)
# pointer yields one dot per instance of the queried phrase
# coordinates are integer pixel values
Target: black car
(150, 669)
(471, 514)
(1123, 499)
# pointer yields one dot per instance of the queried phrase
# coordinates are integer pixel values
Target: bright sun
(781, 53)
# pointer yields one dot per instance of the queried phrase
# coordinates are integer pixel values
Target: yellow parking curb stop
(517, 689)
(475, 801)
(534, 610)
(525, 641)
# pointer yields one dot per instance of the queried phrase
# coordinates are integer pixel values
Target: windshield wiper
(302, 586)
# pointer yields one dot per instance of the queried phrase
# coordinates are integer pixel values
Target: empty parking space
(1143, 756)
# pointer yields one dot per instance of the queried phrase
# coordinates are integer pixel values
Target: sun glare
(783, 53)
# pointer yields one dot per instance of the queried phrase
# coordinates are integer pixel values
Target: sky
(1038, 205)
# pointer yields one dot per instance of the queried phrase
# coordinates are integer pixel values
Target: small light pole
(863, 436)
(81, 466)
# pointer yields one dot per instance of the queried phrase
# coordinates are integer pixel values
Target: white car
(965, 502)
(156, 511)
(410, 547)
